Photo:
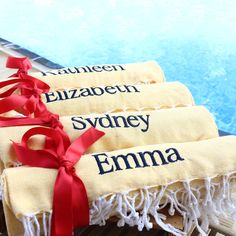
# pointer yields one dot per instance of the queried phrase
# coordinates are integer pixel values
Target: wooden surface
(112, 230)
(2, 220)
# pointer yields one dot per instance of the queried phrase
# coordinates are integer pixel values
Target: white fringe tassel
(32, 226)
(205, 204)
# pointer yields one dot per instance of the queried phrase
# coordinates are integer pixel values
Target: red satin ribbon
(25, 94)
(25, 97)
(70, 202)
(22, 64)
(28, 101)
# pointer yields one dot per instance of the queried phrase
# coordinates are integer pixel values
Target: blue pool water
(194, 41)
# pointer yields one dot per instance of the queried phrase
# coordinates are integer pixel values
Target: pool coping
(33, 56)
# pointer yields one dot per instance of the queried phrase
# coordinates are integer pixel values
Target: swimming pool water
(194, 41)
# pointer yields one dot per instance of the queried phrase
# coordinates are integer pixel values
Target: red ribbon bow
(70, 202)
(28, 102)
(22, 64)
(25, 97)
(30, 88)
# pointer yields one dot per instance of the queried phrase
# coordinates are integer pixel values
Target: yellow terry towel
(146, 72)
(194, 178)
(117, 98)
(125, 129)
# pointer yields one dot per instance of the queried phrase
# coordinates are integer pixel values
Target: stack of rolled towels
(156, 150)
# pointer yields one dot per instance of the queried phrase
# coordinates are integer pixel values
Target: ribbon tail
(82, 143)
(19, 121)
(11, 103)
(80, 203)
(62, 218)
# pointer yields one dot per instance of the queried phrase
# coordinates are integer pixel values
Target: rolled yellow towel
(146, 72)
(117, 98)
(88, 100)
(195, 178)
(125, 129)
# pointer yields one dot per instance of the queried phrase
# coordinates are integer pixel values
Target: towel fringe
(32, 227)
(196, 208)
(198, 205)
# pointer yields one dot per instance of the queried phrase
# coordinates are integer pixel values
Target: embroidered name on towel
(91, 91)
(107, 164)
(85, 69)
(112, 121)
